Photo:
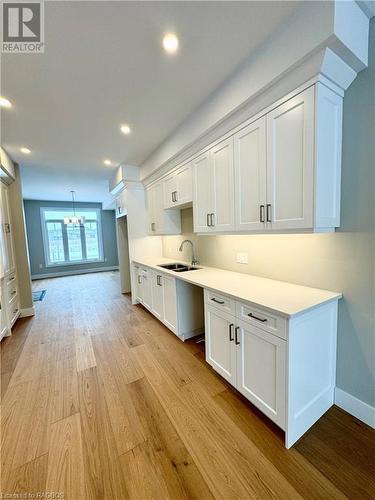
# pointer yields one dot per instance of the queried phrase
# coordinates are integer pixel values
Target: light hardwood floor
(101, 401)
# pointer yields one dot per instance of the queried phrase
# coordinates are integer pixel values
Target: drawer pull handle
(261, 213)
(139, 279)
(263, 320)
(269, 212)
(218, 301)
(231, 332)
(236, 334)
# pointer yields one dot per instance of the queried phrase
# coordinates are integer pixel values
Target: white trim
(27, 311)
(72, 273)
(355, 407)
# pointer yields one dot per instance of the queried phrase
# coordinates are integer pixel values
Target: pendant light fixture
(74, 219)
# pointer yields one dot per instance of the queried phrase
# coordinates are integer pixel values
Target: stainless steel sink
(178, 268)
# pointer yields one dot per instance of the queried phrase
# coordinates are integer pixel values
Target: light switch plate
(243, 258)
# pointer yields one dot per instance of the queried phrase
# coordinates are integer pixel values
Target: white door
(158, 207)
(261, 370)
(220, 348)
(138, 284)
(290, 163)
(201, 193)
(170, 189)
(250, 170)
(184, 189)
(150, 197)
(222, 186)
(146, 284)
(157, 295)
(170, 303)
(7, 236)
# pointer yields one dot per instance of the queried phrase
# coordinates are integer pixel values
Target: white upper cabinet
(290, 163)
(222, 186)
(178, 188)
(280, 172)
(201, 193)
(213, 180)
(250, 176)
(161, 221)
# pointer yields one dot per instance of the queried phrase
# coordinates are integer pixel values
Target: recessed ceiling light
(107, 162)
(25, 151)
(125, 129)
(5, 103)
(170, 43)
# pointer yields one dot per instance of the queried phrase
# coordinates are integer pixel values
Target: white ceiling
(103, 65)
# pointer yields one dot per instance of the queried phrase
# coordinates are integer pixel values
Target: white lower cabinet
(261, 370)
(170, 303)
(177, 304)
(220, 349)
(288, 374)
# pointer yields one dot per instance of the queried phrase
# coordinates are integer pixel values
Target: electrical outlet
(242, 258)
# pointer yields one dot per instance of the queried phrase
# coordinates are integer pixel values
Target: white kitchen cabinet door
(138, 284)
(170, 189)
(290, 163)
(250, 170)
(222, 186)
(261, 370)
(201, 193)
(161, 221)
(147, 291)
(184, 189)
(7, 236)
(157, 295)
(220, 348)
(170, 303)
(150, 204)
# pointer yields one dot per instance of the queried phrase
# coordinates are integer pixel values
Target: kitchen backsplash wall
(343, 261)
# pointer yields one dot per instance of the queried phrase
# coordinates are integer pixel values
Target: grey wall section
(342, 261)
(35, 241)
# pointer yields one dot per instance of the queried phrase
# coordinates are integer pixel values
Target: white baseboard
(355, 407)
(72, 273)
(27, 311)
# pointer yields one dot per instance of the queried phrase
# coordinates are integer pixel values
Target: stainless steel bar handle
(261, 213)
(208, 220)
(139, 279)
(212, 219)
(218, 301)
(236, 335)
(251, 315)
(231, 338)
(175, 196)
(172, 193)
(269, 212)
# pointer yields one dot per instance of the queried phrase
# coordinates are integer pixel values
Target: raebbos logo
(23, 27)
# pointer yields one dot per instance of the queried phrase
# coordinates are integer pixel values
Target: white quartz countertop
(281, 297)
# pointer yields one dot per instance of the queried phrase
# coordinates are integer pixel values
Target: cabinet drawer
(262, 319)
(11, 291)
(220, 301)
(10, 280)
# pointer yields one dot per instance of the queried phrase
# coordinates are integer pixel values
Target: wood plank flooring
(101, 401)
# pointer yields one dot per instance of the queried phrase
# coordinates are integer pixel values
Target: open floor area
(102, 401)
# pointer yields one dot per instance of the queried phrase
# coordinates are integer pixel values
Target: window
(68, 243)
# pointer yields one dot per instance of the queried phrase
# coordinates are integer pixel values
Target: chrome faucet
(194, 260)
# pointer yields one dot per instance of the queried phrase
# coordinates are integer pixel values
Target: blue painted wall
(35, 240)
